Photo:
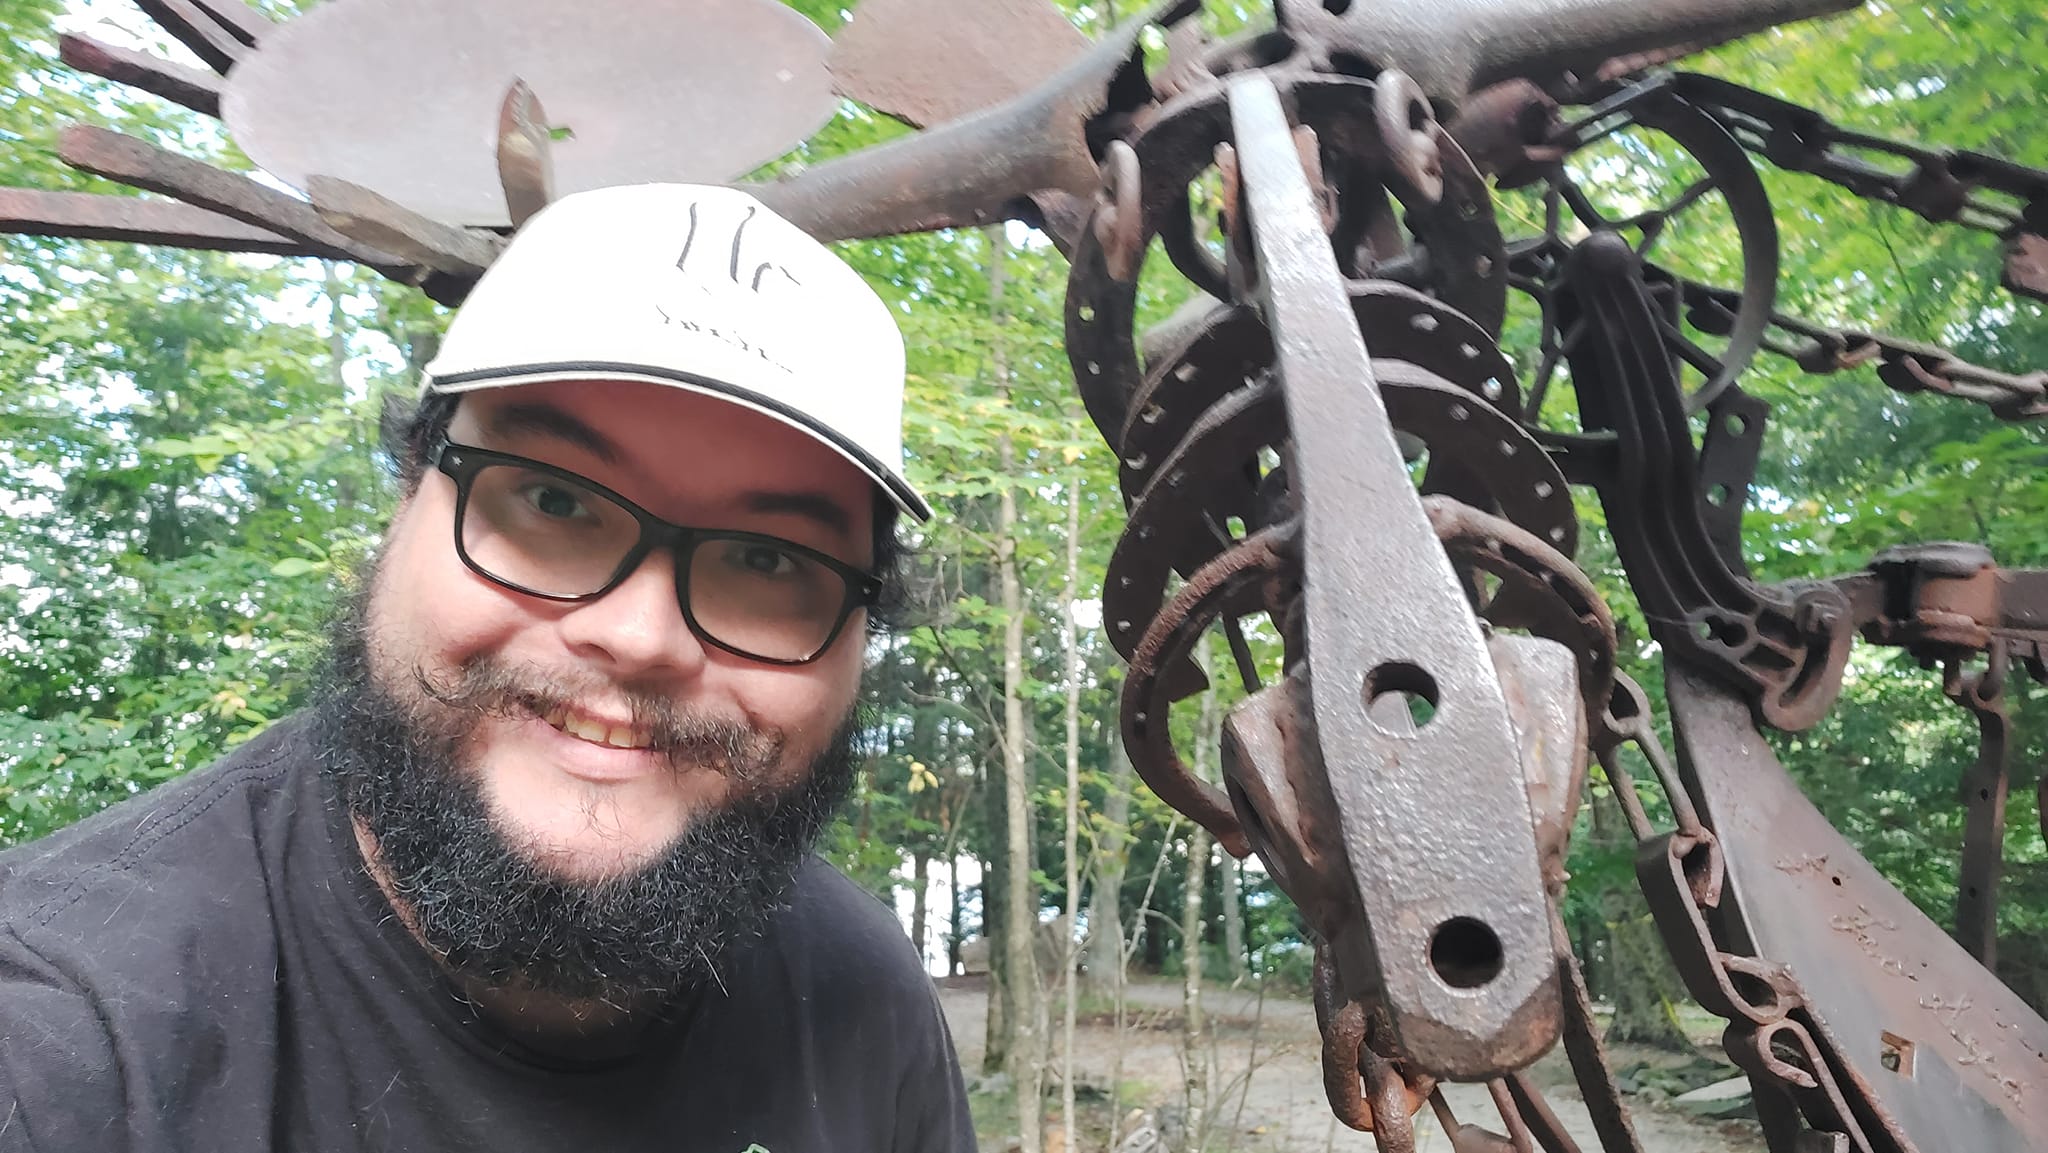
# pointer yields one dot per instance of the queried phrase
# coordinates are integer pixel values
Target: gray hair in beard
(500, 916)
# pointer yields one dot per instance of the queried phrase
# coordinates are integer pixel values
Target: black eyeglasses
(548, 533)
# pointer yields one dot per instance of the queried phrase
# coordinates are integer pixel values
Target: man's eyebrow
(812, 506)
(536, 418)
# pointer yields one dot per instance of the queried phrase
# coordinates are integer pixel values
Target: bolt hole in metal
(1465, 953)
(1400, 698)
(1717, 495)
(1336, 7)
(1897, 1055)
(1732, 633)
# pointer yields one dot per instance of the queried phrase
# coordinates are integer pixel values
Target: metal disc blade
(930, 61)
(402, 96)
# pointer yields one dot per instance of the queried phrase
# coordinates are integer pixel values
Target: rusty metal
(1451, 47)
(1539, 263)
(1588, 1055)
(926, 63)
(1527, 1102)
(976, 170)
(1404, 120)
(238, 18)
(104, 152)
(195, 89)
(135, 220)
(1881, 966)
(1222, 582)
(204, 26)
(1942, 185)
(1904, 365)
(1460, 958)
(402, 97)
(1785, 647)
(526, 161)
(1982, 695)
(369, 219)
(2026, 265)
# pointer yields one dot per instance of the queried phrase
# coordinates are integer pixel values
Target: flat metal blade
(929, 61)
(402, 97)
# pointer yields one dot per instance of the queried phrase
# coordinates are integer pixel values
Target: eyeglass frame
(461, 463)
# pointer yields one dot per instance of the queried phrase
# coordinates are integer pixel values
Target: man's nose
(638, 627)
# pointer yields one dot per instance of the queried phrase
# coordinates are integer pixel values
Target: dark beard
(494, 913)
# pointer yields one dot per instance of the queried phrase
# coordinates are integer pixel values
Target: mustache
(685, 737)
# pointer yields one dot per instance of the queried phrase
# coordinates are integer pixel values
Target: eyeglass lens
(548, 535)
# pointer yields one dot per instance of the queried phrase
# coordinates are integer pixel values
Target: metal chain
(1904, 365)
(1761, 999)
(1945, 185)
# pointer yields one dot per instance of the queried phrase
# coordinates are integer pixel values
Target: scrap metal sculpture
(1449, 672)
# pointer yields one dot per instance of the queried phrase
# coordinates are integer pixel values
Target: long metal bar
(141, 164)
(199, 29)
(195, 89)
(1454, 46)
(1877, 971)
(240, 20)
(370, 219)
(96, 216)
(1461, 948)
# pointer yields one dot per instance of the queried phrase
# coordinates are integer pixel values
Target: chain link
(1945, 185)
(1905, 365)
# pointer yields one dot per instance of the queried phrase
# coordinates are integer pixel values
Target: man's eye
(766, 560)
(557, 501)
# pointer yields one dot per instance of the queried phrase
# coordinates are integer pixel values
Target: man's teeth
(597, 732)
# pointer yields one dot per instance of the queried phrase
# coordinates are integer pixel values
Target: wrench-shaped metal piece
(1458, 920)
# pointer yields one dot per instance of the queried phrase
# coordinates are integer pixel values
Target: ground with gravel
(1280, 1107)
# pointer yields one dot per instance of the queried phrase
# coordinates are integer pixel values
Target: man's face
(584, 678)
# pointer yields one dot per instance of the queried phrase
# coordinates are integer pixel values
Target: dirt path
(1281, 1108)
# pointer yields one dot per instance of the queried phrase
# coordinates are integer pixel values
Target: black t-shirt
(208, 967)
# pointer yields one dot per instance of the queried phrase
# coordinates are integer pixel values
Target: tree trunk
(1103, 956)
(920, 883)
(1233, 916)
(1020, 975)
(1072, 643)
(338, 326)
(954, 918)
(995, 928)
(1640, 978)
(1194, 1053)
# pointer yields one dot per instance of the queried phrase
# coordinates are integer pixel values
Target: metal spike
(526, 166)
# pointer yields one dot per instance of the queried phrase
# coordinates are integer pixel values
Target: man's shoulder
(190, 840)
(851, 938)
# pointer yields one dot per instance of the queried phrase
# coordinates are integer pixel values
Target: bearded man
(534, 870)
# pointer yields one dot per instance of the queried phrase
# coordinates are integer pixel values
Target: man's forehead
(754, 462)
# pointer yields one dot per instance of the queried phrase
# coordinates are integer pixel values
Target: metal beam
(141, 164)
(195, 89)
(94, 216)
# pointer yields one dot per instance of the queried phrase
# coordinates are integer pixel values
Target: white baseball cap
(698, 287)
